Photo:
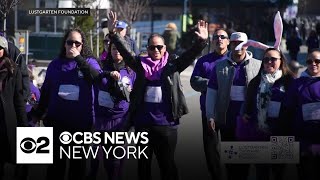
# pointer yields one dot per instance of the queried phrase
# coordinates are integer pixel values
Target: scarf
(103, 55)
(3, 74)
(153, 69)
(264, 95)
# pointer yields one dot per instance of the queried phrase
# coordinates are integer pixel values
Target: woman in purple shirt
(265, 95)
(33, 99)
(303, 109)
(111, 106)
(66, 99)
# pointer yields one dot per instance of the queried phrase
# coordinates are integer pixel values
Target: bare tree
(82, 3)
(5, 7)
(130, 10)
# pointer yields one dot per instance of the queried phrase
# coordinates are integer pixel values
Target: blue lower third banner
(280, 149)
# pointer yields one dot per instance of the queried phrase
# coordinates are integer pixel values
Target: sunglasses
(71, 42)
(268, 59)
(219, 36)
(310, 61)
(152, 47)
(106, 41)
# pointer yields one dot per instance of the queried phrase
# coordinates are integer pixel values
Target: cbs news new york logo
(34, 145)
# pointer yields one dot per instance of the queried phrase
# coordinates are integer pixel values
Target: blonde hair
(172, 26)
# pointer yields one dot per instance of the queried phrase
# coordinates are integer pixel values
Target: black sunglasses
(310, 61)
(107, 41)
(268, 59)
(71, 42)
(152, 47)
(219, 36)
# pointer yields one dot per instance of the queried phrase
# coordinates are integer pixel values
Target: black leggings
(77, 167)
(162, 142)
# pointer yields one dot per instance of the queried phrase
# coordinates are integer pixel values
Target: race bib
(69, 92)
(125, 81)
(105, 100)
(274, 109)
(237, 93)
(153, 94)
(311, 111)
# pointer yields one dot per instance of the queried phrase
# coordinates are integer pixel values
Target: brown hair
(283, 65)
(8, 63)
(85, 51)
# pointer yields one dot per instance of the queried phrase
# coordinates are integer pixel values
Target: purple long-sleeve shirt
(203, 70)
(67, 95)
(112, 118)
(303, 101)
(155, 113)
(35, 96)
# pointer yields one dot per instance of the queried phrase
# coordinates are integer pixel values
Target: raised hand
(74, 52)
(202, 30)
(112, 20)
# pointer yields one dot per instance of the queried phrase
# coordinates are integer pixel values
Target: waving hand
(202, 32)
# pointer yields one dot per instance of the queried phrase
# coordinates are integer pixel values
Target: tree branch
(130, 10)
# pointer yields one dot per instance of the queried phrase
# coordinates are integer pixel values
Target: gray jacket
(217, 101)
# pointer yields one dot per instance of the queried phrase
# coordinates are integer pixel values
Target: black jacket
(171, 84)
(17, 57)
(13, 108)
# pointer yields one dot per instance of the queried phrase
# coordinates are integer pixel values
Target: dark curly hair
(9, 64)
(109, 60)
(85, 51)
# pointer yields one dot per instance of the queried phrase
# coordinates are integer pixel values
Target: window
(171, 17)
(145, 17)
(157, 16)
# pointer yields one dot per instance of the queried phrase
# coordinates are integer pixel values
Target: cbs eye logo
(29, 145)
(34, 145)
(65, 137)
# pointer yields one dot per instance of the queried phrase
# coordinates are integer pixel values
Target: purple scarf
(153, 69)
(103, 55)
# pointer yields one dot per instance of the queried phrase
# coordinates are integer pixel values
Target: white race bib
(237, 93)
(311, 111)
(274, 109)
(153, 94)
(125, 81)
(105, 100)
(69, 92)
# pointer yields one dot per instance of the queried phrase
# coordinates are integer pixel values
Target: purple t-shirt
(68, 95)
(204, 68)
(154, 113)
(108, 118)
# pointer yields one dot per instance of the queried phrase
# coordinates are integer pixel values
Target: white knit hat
(3, 43)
